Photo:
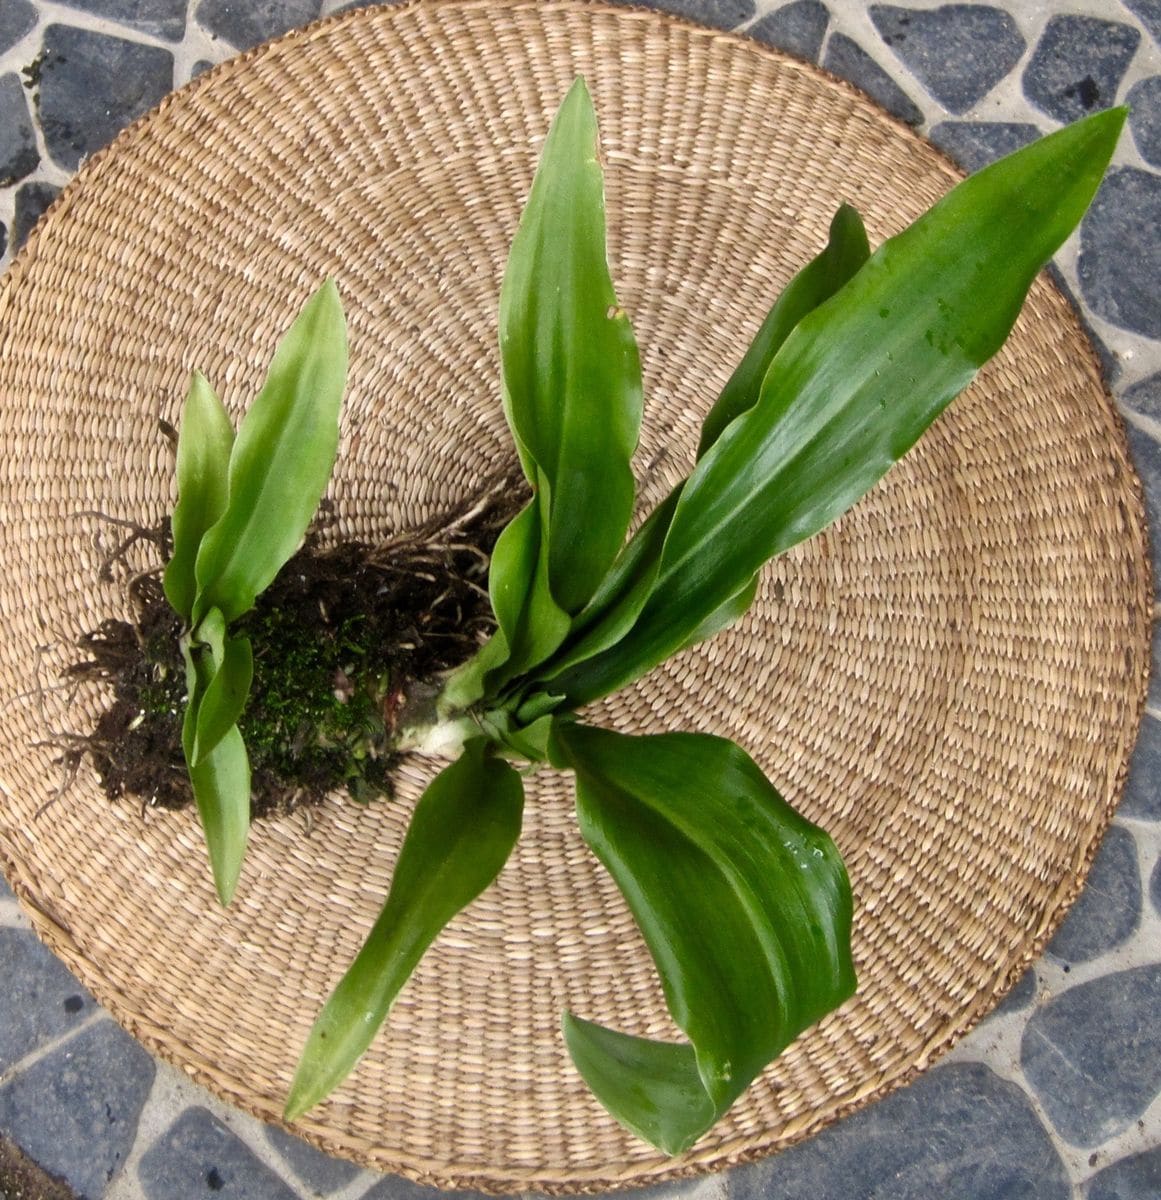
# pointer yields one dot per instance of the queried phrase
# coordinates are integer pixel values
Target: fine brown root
(341, 639)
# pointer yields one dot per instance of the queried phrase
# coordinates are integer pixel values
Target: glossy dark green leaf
(845, 252)
(281, 461)
(203, 458)
(622, 593)
(462, 831)
(855, 385)
(744, 905)
(570, 367)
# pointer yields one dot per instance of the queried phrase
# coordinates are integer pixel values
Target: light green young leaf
(224, 698)
(570, 368)
(221, 784)
(856, 383)
(281, 461)
(462, 831)
(845, 252)
(203, 457)
(744, 905)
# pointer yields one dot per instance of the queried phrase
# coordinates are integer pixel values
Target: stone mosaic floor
(1058, 1094)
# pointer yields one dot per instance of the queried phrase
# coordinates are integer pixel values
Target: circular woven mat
(949, 680)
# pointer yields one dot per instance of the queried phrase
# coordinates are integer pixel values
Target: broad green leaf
(225, 696)
(844, 254)
(281, 461)
(462, 831)
(622, 593)
(221, 784)
(570, 368)
(203, 458)
(855, 385)
(745, 907)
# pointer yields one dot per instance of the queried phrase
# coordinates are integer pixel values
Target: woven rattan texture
(948, 680)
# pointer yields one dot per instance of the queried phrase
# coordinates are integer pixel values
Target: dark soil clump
(344, 639)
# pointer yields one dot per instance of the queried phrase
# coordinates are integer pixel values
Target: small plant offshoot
(744, 905)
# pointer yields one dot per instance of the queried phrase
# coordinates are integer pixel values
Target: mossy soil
(347, 638)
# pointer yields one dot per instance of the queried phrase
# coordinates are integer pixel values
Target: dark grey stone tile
(958, 1131)
(849, 60)
(1149, 13)
(1154, 696)
(1109, 908)
(1134, 1178)
(1110, 363)
(1120, 253)
(974, 144)
(1142, 794)
(1144, 100)
(200, 67)
(160, 18)
(958, 52)
(1019, 997)
(395, 1187)
(199, 1156)
(1145, 397)
(39, 1000)
(92, 86)
(1093, 1054)
(32, 199)
(75, 1111)
(246, 23)
(797, 28)
(1155, 886)
(17, 17)
(18, 153)
(718, 14)
(1146, 455)
(5, 890)
(1078, 65)
(321, 1173)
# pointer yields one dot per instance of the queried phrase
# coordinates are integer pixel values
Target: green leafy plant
(744, 905)
(244, 504)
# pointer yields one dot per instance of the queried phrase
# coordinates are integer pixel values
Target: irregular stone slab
(395, 1187)
(1146, 455)
(18, 153)
(5, 890)
(92, 86)
(1149, 13)
(797, 28)
(1093, 1054)
(974, 144)
(75, 1111)
(1120, 253)
(1155, 886)
(1109, 908)
(32, 199)
(1142, 795)
(958, 52)
(1145, 397)
(161, 18)
(1078, 65)
(40, 999)
(849, 60)
(1154, 696)
(957, 1131)
(1132, 1178)
(245, 23)
(17, 17)
(1144, 101)
(318, 1171)
(199, 1156)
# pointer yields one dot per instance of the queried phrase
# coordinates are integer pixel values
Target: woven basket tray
(949, 679)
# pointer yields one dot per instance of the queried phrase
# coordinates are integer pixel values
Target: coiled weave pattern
(949, 680)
